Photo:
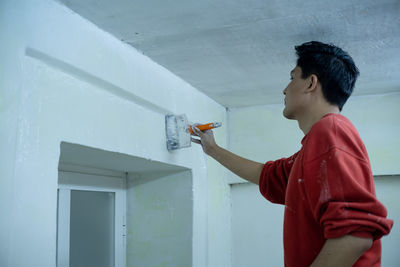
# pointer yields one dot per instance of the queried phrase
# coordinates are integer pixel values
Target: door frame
(75, 177)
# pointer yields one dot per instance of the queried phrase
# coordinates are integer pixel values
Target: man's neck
(306, 121)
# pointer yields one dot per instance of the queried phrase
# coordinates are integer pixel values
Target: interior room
(86, 177)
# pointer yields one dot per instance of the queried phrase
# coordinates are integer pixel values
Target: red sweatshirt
(328, 192)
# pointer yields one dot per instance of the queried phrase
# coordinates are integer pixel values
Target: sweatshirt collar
(303, 141)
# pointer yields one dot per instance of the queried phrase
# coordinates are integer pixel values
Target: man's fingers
(194, 140)
(197, 131)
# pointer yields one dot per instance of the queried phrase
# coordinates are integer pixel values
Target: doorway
(126, 210)
(91, 218)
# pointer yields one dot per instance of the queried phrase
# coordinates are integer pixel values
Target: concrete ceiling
(240, 53)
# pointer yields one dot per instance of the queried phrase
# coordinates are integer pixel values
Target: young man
(332, 216)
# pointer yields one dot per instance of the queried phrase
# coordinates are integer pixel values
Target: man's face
(295, 97)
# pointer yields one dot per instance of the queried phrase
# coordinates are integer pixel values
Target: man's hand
(206, 140)
(342, 252)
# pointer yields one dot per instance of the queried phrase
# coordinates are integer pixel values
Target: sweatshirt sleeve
(274, 179)
(340, 191)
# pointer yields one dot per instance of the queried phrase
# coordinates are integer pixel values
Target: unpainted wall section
(63, 79)
(257, 227)
(159, 219)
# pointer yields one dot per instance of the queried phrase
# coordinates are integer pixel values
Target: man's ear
(312, 82)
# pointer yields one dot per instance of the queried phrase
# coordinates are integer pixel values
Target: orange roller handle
(203, 127)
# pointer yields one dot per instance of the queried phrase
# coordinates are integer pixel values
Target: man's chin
(287, 114)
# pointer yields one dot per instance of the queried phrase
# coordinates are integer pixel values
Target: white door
(91, 218)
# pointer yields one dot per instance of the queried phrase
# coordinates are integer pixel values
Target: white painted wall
(63, 79)
(261, 133)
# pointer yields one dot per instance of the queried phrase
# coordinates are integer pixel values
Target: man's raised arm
(246, 169)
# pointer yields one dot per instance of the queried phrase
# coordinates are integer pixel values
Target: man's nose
(284, 91)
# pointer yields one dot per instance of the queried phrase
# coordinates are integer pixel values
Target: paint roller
(179, 130)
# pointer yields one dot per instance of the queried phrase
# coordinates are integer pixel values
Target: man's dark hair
(334, 68)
